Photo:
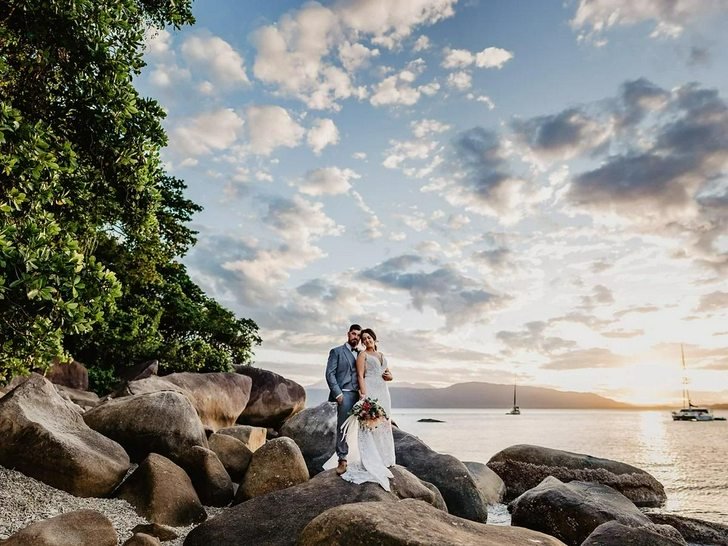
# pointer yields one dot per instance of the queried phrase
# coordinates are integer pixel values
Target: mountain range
(483, 395)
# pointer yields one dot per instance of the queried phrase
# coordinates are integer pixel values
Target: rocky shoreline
(234, 458)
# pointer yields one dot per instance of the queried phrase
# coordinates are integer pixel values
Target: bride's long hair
(372, 334)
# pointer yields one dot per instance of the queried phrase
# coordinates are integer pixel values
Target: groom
(343, 387)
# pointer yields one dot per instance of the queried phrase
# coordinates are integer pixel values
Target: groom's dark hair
(354, 327)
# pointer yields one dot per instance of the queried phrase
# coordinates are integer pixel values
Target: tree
(91, 227)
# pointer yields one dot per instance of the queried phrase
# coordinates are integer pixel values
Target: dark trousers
(342, 413)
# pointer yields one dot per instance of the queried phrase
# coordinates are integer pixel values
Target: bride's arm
(387, 374)
(360, 372)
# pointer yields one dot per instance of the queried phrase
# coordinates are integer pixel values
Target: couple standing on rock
(356, 371)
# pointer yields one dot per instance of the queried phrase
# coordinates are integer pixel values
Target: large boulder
(83, 399)
(233, 454)
(523, 467)
(571, 511)
(614, 533)
(161, 492)
(445, 472)
(14, 382)
(142, 539)
(45, 438)
(79, 528)
(695, 531)
(276, 465)
(273, 398)
(490, 485)
(252, 437)
(161, 422)
(219, 398)
(211, 481)
(276, 519)
(69, 374)
(409, 522)
(314, 430)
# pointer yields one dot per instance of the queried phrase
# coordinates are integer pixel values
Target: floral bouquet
(369, 412)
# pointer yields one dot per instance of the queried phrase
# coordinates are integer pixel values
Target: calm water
(689, 459)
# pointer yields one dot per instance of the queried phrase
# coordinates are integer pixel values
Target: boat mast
(514, 392)
(686, 395)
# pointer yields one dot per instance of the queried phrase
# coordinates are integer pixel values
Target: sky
(527, 190)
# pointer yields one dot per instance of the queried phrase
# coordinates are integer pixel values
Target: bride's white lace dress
(371, 451)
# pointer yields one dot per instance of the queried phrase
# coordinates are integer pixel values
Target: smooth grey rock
(314, 430)
(276, 519)
(410, 522)
(445, 472)
(45, 438)
(524, 466)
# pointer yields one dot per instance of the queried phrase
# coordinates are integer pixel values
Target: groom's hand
(340, 399)
(387, 375)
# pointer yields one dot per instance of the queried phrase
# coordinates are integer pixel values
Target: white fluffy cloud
(460, 80)
(323, 133)
(593, 17)
(328, 180)
(271, 127)
(207, 132)
(313, 53)
(490, 57)
(157, 42)
(214, 56)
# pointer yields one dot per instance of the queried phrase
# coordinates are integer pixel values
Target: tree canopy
(91, 227)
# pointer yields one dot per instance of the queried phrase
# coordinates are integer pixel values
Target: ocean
(688, 458)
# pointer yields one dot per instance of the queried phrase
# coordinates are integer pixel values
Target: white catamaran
(689, 411)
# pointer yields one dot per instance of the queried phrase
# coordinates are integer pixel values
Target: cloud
(249, 273)
(480, 178)
(327, 181)
(398, 89)
(313, 53)
(390, 22)
(271, 127)
(715, 301)
(215, 57)
(206, 133)
(594, 17)
(460, 80)
(169, 74)
(157, 42)
(403, 153)
(421, 44)
(355, 56)
(457, 58)
(323, 133)
(600, 296)
(563, 135)
(482, 98)
(533, 338)
(425, 127)
(585, 358)
(452, 295)
(490, 57)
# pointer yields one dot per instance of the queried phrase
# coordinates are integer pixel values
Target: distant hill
(485, 395)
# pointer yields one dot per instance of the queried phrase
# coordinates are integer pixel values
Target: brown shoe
(341, 468)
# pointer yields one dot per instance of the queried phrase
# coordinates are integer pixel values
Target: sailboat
(689, 411)
(515, 410)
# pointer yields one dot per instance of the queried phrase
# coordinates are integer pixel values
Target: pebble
(24, 500)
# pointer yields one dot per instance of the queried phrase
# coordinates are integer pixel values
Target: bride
(371, 450)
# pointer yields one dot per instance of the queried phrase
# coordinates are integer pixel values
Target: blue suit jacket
(341, 371)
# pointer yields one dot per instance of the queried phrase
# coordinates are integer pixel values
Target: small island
(429, 420)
